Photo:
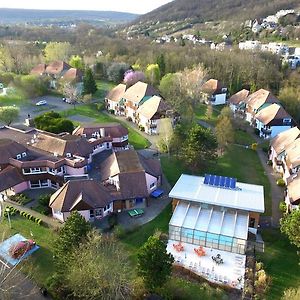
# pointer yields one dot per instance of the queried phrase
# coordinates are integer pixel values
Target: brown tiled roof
(293, 154)
(259, 98)
(272, 112)
(114, 130)
(61, 145)
(8, 149)
(17, 135)
(73, 74)
(212, 86)
(154, 105)
(117, 93)
(150, 165)
(39, 69)
(80, 195)
(57, 67)
(133, 185)
(285, 138)
(9, 177)
(239, 97)
(138, 91)
(293, 190)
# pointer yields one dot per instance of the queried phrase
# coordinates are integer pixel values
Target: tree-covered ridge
(203, 10)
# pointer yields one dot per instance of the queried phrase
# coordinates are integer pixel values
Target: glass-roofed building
(215, 212)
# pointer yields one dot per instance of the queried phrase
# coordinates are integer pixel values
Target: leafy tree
(70, 236)
(291, 294)
(99, 269)
(116, 71)
(199, 147)
(160, 60)
(153, 74)
(290, 98)
(72, 93)
(132, 77)
(89, 83)
(76, 62)
(154, 263)
(209, 112)
(224, 132)
(53, 122)
(9, 114)
(57, 51)
(289, 225)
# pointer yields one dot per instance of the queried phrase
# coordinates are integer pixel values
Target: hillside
(203, 10)
(44, 17)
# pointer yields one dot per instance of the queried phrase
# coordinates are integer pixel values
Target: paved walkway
(49, 221)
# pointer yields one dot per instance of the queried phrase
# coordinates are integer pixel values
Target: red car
(18, 250)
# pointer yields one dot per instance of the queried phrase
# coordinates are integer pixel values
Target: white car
(42, 102)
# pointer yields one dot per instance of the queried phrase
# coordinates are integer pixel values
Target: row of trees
(90, 265)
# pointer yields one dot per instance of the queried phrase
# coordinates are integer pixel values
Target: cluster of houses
(141, 103)
(76, 166)
(265, 113)
(58, 70)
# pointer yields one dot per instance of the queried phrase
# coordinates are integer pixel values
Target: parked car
(42, 102)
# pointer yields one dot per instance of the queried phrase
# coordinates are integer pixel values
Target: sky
(133, 6)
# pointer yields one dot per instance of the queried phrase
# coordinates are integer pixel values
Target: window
(44, 182)
(68, 154)
(107, 207)
(26, 171)
(51, 170)
(252, 222)
(107, 145)
(19, 156)
(152, 185)
(24, 154)
(92, 213)
(98, 212)
(286, 121)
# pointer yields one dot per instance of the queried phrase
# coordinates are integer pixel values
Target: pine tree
(89, 83)
(162, 64)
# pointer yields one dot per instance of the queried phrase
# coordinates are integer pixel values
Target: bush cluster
(13, 211)
(22, 199)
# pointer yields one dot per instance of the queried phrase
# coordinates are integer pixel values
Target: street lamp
(8, 216)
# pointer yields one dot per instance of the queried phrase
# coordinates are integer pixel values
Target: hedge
(13, 211)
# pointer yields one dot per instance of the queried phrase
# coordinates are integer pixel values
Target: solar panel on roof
(222, 181)
(206, 178)
(217, 180)
(232, 183)
(211, 179)
(227, 182)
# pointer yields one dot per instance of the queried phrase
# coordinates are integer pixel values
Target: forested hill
(208, 10)
(33, 16)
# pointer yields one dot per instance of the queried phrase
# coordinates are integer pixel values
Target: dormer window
(19, 156)
(69, 154)
(24, 154)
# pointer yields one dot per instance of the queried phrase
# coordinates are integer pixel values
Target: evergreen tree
(162, 64)
(154, 263)
(89, 83)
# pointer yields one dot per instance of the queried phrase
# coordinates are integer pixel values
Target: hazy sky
(134, 6)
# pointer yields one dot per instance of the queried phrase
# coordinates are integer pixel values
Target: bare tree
(72, 93)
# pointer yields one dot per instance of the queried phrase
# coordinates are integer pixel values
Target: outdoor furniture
(178, 247)
(200, 251)
(136, 212)
(217, 259)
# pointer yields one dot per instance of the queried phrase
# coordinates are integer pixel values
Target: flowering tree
(131, 77)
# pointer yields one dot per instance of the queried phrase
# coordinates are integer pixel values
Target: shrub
(112, 111)
(265, 149)
(119, 231)
(282, 207)
(254, 146)
(269, 163)
(44, 200)
(129, 119)
(280, 182)
(112, 220)
(142, 128)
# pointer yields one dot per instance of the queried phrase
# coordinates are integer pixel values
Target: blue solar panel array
(220, 181)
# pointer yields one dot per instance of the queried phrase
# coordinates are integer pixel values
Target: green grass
(200, 113)
(243, 138)
(14, 99)
(40, 262)
(244, 164)
(92, 111)
(103, 88)
(281, 263)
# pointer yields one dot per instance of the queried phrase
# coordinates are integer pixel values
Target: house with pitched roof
(130, 177)
(150, 113)
(114, 98)
(90, 198)
(114, 134)
(214, 91)
(272, 120)
(257, 101)
(278, 146)
(292, 197)
(237, 101)
(291, 161)
(135, 96)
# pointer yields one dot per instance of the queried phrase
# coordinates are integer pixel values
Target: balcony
(266, 131)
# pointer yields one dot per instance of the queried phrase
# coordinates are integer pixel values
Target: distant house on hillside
(272, 120)
(257, 101)
(237, 100)
(214, 92)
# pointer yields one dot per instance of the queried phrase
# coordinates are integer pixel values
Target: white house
(272, 120)
(237, 100)
(292, 198)
(113, 99)
(214, 92)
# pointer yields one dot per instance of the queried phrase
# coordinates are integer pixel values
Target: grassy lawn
(41, 261)
(200, 113)
(103, 88)
(91, 111)
(281, 263)
(243, 138)
(238, 162)
(15, 99)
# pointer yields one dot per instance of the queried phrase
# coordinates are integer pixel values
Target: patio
(226, 268)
